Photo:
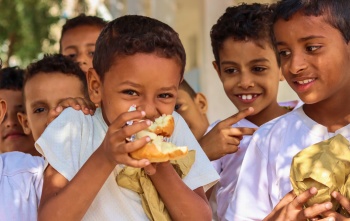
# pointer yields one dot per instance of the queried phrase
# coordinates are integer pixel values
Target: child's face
(193, 110)
(249, 73)
(146, 80)
(12, 136)
(79, 44)
(314, 58)
(44, 92)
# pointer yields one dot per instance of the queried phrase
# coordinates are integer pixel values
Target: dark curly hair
(335, 12)
(11, 78)
(131, 34)
(82, 20)
(51, 64)
(251, 22)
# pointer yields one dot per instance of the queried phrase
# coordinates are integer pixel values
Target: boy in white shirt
(247, 63)
(313, 42)
(20, 182)
(138, 61)
(48, 83)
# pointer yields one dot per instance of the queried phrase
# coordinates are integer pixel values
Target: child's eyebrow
(302, 39)
(37, 103)
(259, 60)
(70, 47)
(228, 62)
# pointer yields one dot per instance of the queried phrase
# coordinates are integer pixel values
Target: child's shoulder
(280, 123)
(13, 163)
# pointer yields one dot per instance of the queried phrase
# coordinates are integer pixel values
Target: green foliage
(24, 25)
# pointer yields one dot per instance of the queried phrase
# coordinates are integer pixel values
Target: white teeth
(305, 81)
(248, 96)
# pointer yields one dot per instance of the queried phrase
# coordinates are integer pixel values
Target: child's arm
(181, 202)
(64, 200)
(223, 138)
(291, 208)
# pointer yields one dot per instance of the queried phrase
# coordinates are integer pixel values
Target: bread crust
(159, 151)
(151, 152)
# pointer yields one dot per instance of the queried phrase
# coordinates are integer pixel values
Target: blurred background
(31, 28)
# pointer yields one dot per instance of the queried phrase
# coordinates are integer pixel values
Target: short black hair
(131, 34)
(188, 89)
(11, 78)
(82, 20)
(335, 12)
(53, 63)
(244, 22)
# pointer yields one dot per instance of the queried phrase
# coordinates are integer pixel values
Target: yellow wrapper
(326, 166)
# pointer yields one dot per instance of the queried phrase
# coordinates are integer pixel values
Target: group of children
(137, 60)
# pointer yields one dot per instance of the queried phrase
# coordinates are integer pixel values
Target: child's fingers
(237, 117)
(241, 131)
(123, 118)
(342, 200)
(312, 211)
(300, 200)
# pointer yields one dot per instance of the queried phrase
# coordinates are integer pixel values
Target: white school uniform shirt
(229, 168)
(21, 181)
(71, 139)
(264, 177)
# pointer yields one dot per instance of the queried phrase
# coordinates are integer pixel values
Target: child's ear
(216, 67)
(281, 75)
(23, 120)
(201, 102)
(3, 109)
(94, 86)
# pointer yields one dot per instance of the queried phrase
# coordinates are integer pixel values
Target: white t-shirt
(229, 168)
(21, 183)
(264, 177)
(71, 139)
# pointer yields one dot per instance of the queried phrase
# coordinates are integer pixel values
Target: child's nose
(11, 120)
(246, 81)
(297, 64)
(150, 110)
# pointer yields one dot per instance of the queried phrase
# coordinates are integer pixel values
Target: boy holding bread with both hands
(138, 60)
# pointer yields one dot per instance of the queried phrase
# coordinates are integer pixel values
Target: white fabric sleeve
(202, 172)
(251, 199)
(64, 142)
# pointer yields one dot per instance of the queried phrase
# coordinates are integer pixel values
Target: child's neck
(333, 115)
(269, 113)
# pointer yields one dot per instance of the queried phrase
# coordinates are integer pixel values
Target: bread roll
(157, 150)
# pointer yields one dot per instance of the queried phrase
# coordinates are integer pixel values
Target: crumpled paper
(137, 180)
(326, 166)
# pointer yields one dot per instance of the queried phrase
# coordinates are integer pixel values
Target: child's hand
(115, 146)
(291, 208)
(344, 202)
(77, 103)
(223, 138)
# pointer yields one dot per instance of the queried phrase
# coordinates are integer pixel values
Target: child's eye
(284, 53)
(130, 92)
(165, 95)
(72, 56)
(259, 69)
(312, 48)
(91, 53)
(177, 106)
(39, 110)
(230, 70)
